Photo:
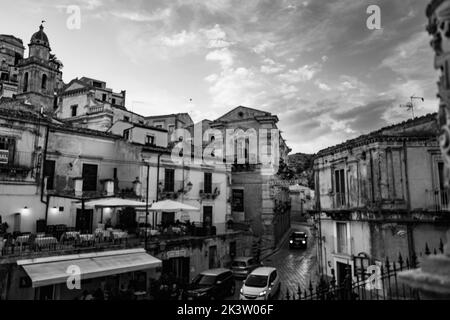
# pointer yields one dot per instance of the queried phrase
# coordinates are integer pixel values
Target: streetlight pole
(146, 205)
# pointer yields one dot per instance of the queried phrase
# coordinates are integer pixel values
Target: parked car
(263, 283)
(242, 266)
(211, 284)
(298, 239)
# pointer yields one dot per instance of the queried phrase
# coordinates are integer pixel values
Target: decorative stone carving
(438, 12)
(433, 276)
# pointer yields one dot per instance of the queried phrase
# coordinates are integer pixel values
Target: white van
(261, 284)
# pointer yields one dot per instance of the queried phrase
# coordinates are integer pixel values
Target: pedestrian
(175, 292)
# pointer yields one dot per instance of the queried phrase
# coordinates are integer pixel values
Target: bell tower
(40, 74)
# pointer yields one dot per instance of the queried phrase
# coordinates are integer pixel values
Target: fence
(381, 284)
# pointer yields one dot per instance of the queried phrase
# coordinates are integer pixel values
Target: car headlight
(290, 241)
(242, 291)
(262, 293)
(303, 241)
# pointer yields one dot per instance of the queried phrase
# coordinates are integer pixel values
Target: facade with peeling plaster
(381, 195)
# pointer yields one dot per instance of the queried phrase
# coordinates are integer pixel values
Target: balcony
(212, 193)
(178, 190)
(60, 241)
(16, 166)
(98, 109)
(438, 200)
(339, 200)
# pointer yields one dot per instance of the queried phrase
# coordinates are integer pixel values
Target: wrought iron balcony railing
(438, 200)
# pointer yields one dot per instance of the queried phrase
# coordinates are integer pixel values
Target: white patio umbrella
(112, 203)
(174, 206)
(171, 206)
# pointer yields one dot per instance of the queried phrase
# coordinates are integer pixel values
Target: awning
(171, 206)
(54, 270)
(111, 203)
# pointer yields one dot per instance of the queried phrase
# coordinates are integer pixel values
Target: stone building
(381, 195)
(433, 278)
(258, 196)
(170, 122)
(54, 168)
(11, 52)
(88, 103)
(40, 75)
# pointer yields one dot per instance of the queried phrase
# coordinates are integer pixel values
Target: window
(125, 118)
(25, 82)
(207, 216)
(444, 195)
(169, 180)
(149, 140)
(104, 97)
(97, 84)
(171, 128)
(44, 82)
(113, 101)
(272, 277)
(158, 124)
(89, 177)
(49, 172)
(6, 150)
(74, 110)
(126, 134)
(339, 187)
(4, 76)
(237, 203)
(342, 243)
(207, 184)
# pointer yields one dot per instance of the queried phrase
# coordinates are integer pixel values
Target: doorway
(84, 220)
(207, 216)
(341, 270)
(90, 177)
(212, 256)
(177, 269)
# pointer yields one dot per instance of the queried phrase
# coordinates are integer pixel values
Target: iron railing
(380, 282)
(438, 200)
(339, 200)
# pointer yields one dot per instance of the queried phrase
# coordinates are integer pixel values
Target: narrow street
(295, 266)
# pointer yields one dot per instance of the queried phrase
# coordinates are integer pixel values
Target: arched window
(44, 82)
(25, 82)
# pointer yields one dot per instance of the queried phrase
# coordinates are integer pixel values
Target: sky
(314, 63)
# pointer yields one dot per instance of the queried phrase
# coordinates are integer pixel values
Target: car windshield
(299, 235)
(204, 280)
(238, 264)
(256, 281)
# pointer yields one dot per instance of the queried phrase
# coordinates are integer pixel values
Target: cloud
(224, 56)
(263, 46)
(301, 74)
(322, 86)
(156, 15)
(271, 67)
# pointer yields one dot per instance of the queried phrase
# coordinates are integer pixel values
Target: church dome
(40, 37)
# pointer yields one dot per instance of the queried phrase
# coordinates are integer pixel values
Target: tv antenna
(410, 104)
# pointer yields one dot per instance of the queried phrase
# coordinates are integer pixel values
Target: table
(22, 239)
(86, 237)
(101, 233)
(72, 234)
(45, 242)
(119, 234)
